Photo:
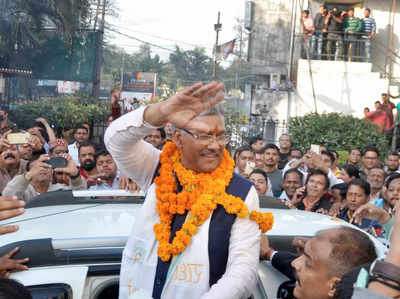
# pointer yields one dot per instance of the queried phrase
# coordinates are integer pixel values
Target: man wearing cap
(58, 147)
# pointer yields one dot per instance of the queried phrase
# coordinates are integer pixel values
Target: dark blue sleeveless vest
(218, 237)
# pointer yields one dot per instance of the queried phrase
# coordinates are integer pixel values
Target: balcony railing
(336, 45)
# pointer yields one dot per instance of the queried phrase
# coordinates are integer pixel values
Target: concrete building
(288, 86)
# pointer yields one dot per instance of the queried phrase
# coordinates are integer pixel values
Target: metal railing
(336, 45)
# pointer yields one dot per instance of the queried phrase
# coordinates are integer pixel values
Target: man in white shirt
(213, 264)
(81, 134)
(107, 170)
(292, 180)
(310, 161)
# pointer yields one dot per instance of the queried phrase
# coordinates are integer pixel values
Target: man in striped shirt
(368, 33)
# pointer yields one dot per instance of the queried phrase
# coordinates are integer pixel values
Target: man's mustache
(210, 152)
(9, 156)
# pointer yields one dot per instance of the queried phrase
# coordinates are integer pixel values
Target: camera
(334, 12)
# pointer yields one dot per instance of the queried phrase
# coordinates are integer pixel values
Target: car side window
(51, 291)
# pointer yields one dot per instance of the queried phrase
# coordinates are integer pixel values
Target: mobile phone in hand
(57, 162)
(18, 138)
(315, 148)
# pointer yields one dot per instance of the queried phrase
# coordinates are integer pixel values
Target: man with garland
(197, 234)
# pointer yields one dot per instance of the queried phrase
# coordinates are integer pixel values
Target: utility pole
(217, 28)
(122, 69)
(99, 54)
(237, 85)
(392, 46)
(292, 40)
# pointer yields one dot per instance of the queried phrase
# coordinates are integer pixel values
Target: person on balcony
(319, 37)
(352, 29)
(333, 24)
(308, 28)
(368, 33)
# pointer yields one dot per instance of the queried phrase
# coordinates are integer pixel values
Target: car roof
(117, 219)
(73, 219)
(98, 232)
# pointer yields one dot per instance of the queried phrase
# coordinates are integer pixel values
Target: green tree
(22, 22)
(141, 61)
(335, 131)
(189, 67)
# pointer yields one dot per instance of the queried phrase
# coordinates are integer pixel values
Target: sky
(166, 23)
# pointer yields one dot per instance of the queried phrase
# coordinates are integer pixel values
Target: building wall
(344, 87)
(338, 86)
(382, 13)
(269, 45)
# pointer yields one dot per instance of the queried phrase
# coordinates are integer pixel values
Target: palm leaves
(22, 22)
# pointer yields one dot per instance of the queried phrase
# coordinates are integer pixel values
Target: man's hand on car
(95, 179)
(127, 184)
(10, 207)
(7, 263)
(265, 249)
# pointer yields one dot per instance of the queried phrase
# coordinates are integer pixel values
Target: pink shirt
(308, 26)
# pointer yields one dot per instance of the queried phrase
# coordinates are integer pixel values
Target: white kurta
(189, 273)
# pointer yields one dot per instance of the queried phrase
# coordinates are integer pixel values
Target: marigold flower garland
(201, 193)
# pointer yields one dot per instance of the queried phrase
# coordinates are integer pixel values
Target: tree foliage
(189, 67)
(335, 131)
(22, 23)
(141, 61)
(64, 112)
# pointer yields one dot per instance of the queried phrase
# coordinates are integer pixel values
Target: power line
(163, 38)
(138, 46)
(137, 39)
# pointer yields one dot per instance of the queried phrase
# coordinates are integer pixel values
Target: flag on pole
(226, 49)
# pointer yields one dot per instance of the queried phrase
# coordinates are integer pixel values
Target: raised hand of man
(182, 108)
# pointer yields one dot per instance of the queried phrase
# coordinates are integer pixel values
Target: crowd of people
(365, 192)
(337, 35)
(313, 181)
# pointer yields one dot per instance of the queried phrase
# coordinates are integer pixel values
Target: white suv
(75, 241)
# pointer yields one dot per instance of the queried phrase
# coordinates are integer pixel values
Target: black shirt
(323, 203)
(284, 159)
(319, 22)
(333, 26)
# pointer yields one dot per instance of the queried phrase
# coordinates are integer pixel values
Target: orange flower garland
(201, 193)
